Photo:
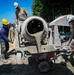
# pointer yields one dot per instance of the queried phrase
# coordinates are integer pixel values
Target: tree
(37, 7)
(49, 9)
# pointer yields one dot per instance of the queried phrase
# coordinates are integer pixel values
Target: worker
(4, 40)
(70, 20)
(21, 15)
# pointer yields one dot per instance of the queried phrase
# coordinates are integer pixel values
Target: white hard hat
(16, 4)
(69, 18)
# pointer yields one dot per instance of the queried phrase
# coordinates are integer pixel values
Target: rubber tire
(72, 59)
(43, 66)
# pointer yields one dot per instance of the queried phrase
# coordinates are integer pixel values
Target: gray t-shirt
(22, 14)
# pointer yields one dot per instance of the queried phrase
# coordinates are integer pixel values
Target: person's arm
(16, 19)
(11, 25)
(5, 37)
(26, 12)
(71, 37)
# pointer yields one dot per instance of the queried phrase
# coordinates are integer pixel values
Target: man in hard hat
(70, 20)
(21, 16)
(4, 39)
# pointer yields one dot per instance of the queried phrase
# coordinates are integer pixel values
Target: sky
(7, 9)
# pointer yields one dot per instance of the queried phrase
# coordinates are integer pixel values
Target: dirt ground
(29, 67)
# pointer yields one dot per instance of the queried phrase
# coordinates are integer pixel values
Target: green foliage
(49, 9)
(37, 7)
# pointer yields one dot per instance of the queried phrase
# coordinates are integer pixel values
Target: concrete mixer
(35, 31)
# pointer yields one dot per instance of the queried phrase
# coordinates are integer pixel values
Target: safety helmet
(16, 4)
(69, 18)
(5, 22)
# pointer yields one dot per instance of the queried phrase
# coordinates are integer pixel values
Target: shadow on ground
(31, 69)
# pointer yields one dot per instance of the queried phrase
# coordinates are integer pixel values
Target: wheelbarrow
(45, 60)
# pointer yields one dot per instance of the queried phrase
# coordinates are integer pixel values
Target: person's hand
(65, 44)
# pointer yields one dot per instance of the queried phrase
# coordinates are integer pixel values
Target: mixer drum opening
(35, 26)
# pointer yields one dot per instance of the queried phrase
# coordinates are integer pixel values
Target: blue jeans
(4, 48)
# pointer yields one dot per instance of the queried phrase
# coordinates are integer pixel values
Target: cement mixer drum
(34, 26)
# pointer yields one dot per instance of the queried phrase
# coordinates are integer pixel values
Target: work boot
(6, 57)
(3, 59)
